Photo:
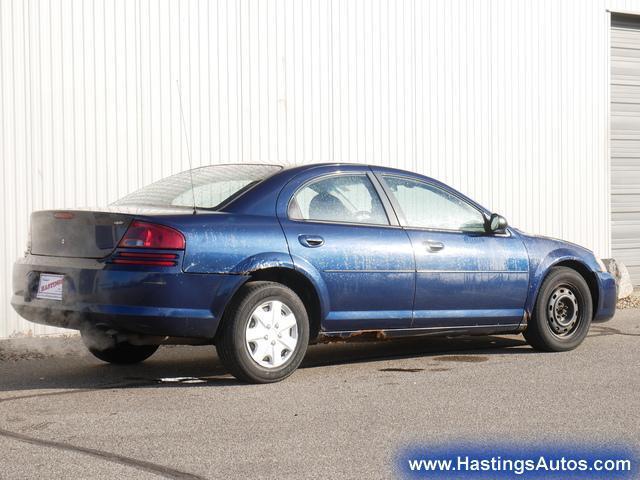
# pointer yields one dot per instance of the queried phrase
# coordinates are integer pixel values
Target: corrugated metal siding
(625, 142)
(506, 100)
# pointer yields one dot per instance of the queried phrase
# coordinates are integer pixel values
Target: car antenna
(186, 139)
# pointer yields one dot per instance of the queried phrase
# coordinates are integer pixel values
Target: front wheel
(264, 334)
(562, 313)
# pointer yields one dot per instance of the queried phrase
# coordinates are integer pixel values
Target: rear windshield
(212, 186)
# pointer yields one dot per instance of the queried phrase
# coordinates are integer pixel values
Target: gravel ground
(633, 301)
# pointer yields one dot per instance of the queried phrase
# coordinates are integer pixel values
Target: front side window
(340, 198)
(427, 206)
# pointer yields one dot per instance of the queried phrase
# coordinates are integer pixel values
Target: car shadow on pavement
(416, 347)
(192, 367)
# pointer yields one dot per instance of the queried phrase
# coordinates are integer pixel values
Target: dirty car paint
(372, 281)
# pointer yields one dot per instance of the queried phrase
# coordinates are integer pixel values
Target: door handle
(311, 241)
(433, 246)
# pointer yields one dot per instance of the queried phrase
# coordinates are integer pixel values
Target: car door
(465, 277)
(341, 224)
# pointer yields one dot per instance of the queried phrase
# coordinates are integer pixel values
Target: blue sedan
(262, 260)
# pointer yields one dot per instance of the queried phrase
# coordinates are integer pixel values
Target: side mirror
(497, 223)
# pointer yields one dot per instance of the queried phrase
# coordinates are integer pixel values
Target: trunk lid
(79, 234)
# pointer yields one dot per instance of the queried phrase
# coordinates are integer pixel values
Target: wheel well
(588, 276)
(301, 285)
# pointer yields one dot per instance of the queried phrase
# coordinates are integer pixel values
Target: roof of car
(305, 166)
(308, 166)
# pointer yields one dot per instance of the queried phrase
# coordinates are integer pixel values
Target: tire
(562, 313)
(241, 346)
(104, 348)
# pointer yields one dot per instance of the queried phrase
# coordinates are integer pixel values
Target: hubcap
(272, 334)
(562, 311)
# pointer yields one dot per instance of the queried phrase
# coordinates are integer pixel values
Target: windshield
(212, 186)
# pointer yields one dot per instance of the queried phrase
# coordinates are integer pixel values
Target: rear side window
(339, 198)
(427, 206)
(212, 186)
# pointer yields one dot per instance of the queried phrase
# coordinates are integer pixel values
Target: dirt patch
(36, 348)
(411, 370)
(462, 358)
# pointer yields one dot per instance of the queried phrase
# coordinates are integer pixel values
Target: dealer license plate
(50, 286)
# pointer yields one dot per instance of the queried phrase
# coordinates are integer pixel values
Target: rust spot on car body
(356, 336)
(526, 318)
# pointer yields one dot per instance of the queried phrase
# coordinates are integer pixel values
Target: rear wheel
(264, 334)
(105, 348)
(562, 313)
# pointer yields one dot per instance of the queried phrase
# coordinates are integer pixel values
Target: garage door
(625, 141)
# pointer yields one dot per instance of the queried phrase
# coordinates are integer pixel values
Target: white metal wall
(506, 100)
(625, 144)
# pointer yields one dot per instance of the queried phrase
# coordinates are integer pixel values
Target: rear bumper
(160, 301)
(607, 299)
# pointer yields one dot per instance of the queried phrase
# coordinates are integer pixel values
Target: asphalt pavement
(345, 414)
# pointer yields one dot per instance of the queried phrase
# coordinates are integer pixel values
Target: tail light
(154, 259)
(149, 235)
(144, 235)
